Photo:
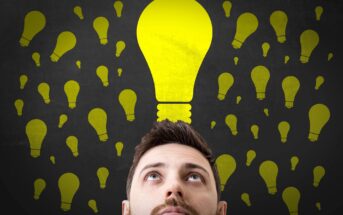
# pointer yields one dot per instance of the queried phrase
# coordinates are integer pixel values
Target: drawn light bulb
(44, 90)
(100, 25)
(39, 185)
(72, 143)
(102, 174)
(118, 7)
(227, 5)
(226, 165)
(238, 99)
(52, 159)
(97, 118)
(291, 197)
(93, 206)
(318, 174)
(290, 87)
(318, 11)
(22, 81)
(260, 77)
(266, 111)
(318, 206)
(231, 122)
(127, 99)
(119, 71)
(247, 24)
(265, 49)
(68, 184)
(246, 199)
(19, 104)
(309, 40)
(225, 82)
(319, 115)
(286, 59)
(36, 58)
(102, 73)
(34, 22)
(251, 155)
(120, 46)
(330, 56)
(78, 64)
(119, 148)
(268, 171)
(62, 120)
(235, 60)
(174, 37)
(66, 41)
(254, 130)
(278, 20)
(213, 124)
(78, 12)
(72, 89)
(294, 162)
(319, 82)
(36, 131)
(284, 128)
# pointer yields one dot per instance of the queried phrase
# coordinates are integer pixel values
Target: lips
(173, 211)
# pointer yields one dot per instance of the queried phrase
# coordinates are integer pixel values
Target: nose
(174, 189)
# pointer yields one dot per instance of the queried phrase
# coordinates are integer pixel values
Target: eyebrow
(186, 166)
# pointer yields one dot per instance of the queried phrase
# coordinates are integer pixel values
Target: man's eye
(153, 176)
(194, 177)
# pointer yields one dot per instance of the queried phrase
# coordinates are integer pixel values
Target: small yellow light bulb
(118, 7)
(66, 41)
(318, 174)
(284, 128)
(102, 73)
(266, 111)
(226, 165)
(100, 25)
(318, 206)
(247, 24)
(97, 118)
(318, 11)
(265, 49)
(36, 131)
(290, 86)
(268, 171)
(19, 104)
(330, 56)
(62, 120)
(44, 91)
(102, 174)
(286, 59)
(235, 60)
(34, 22)
(78, 64)
(227, 5)
(225, 82)
(251, 155)
(72, 89)
(93, 206)
(68, 184)
(291, 197)
(278, 20)
(78, 11)
(128, 100)
(120, 46)
(231, 122)
(309, 40)
(246, 199)
(39, 185)
(319, 82)
(119, 71)
(319, 115)
(22, 81)
(294, 162)
(72, 143)
(213, 124)
(254, 130)
(36, 58)
(52, 159)
(119, 148)
(260, 76)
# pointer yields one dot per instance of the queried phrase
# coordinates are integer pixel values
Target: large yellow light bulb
(268, 171)
(66, 41)
(284, 128)
(100, 25)
(260, 77)
(118, 7)
(120, 46)
(231, 122)
(226, 166)
(319, 115)
(68, 184)
(72, 89)
(97, 118)
(22, 81)
(19, 104)
(225, 82)
(34, 22)
(278, 20)
(318, 174)
(309, 40)
(290, 86)
(247, 24)
(251, 155)
(44, 90)
(119, 148)
(102, 73)
(227, 5)
(291, 197)
(36, 131)
(128, 99)
(102, 174)
(39, 185)
(174, 37)
(72, 143)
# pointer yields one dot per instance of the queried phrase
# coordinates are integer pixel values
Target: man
(173, 172)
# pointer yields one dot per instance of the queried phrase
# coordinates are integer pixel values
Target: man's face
(173, 179)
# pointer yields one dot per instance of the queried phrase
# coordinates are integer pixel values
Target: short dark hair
(165, 132)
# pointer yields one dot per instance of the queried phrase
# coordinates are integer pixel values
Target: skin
(175, 177)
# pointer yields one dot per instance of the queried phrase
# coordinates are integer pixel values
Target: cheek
(204, 203)
(143, 201)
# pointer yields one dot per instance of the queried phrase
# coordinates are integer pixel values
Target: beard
(176, 202)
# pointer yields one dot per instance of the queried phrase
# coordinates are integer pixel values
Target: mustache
(175, 202)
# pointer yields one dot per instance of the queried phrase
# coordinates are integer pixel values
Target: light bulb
(44, 90)
(227, 5)
(22, 81)
(102, 73)
(120, 46)
(119, 148)
(36, 131)
(319, 115)
(247, 24)
(68, 184)
(286, 59)
(284, 128)
(319, 82)
(318, 174)
(100, 25)
(39, 185)
(52, 159)
(174, 37)
(260, 77)
(97, 118)
(34, 22)
(290, 87)
(213, 124)
(62, 120)
(265, 49)
(226, 166)
(251, 155)
(238, 99)
(294, 162)
(266, 111)
(309, 40)
(66, 41)
(118, 7)
(268, 171)
(127, 99)
(318, 11)
(72, 89)
(19, 104)
(119, 71)
(225, 82)
(278, 20)
(93, 206)
(78, 64)
(254, 130)
(318, 206)
(246, 199)
(330, 56)
(231, 122)
(72, 142)
(235, 60)
(36, 58)
(102, 174)
(78, 11)
(291, 197)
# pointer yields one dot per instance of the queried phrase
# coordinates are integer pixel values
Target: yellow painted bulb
(78, 11)
(102, 73)
(225, 82)
(22, 81)
(226, 166)
(44, 90)
(231, 122)
(227, 5)
(66, 41)
(128, 99)
(247, 24)
(97, 118)
(118, 7)
(319, 115)
(278, 20)
(72, 89)
(100, 25)
(36, 131)
(39, 186)
(102, 174)
(68, 184)
(72, 142)
(268, 171)
(34, 22)
(309, 39)
(291, 197)
(19, 104)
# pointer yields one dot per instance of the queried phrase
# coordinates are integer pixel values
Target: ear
(125, 207)
(222, 207)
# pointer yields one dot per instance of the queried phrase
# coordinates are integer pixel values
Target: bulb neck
(236, 44)
(313, 136)
(272, 190)
(54, 57)
(65, 206)
(281, 38)
(174, 112)
(304, 59)
(260, 95)
(35, 153)
(289, 104)
(24, 42)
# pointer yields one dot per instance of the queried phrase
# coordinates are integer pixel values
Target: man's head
(173, 171)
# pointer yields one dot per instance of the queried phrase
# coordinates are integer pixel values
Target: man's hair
(165, 132)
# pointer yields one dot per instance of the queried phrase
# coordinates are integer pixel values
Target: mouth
(173, 211)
